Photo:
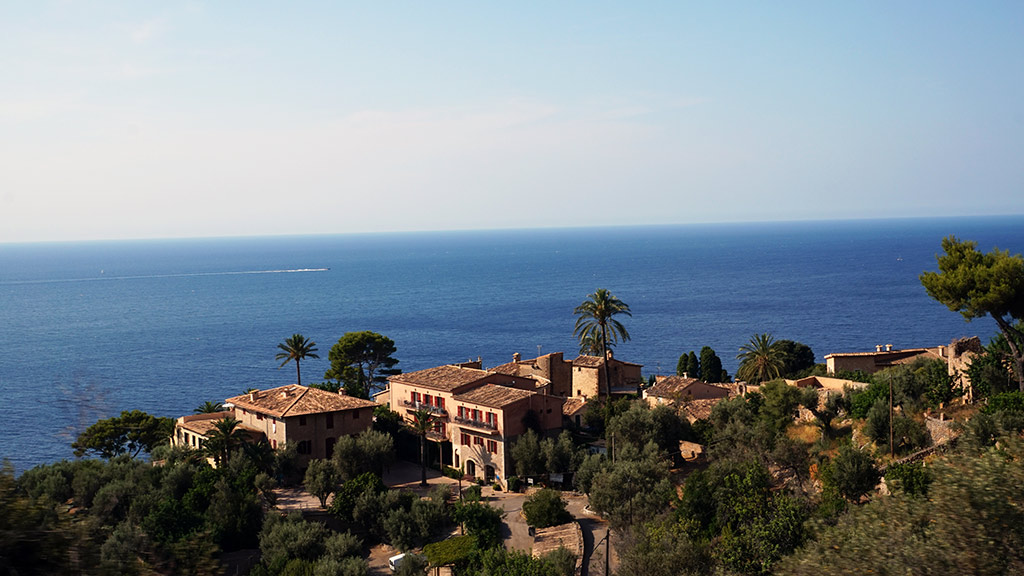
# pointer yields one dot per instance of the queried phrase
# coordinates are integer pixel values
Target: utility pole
(892, 448)
(607, 554)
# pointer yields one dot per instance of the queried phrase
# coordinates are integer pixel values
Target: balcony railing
(428, 407)
(475, 423)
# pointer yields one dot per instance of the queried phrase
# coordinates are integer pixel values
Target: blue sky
(167, 119)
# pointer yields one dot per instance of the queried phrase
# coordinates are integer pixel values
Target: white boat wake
(104, 276)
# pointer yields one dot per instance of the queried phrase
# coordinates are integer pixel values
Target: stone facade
(478, 413)
(309, 418)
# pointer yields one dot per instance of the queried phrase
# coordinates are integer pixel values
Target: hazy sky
(163, 119)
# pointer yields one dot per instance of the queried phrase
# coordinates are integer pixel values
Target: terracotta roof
(573, 406)
(493, 395)
(295, 400)
(510, 369)
(699, 409)
(670, 386)
(588, 361)
(445, 378)
(596, 361)
(205, 425)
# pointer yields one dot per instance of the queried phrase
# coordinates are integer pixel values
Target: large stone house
(478, 414)
(309, 418)
(582, 377)
(691, 396)
(957, 356)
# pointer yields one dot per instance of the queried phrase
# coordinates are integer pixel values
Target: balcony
(476, 423)
(436, 410)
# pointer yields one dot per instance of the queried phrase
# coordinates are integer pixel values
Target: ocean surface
(91, 329)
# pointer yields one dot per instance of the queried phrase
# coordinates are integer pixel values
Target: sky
(191, 119)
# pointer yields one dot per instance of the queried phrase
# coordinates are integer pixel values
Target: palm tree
(422, 423)
(208, 408)
(761, 359)
(225, 437)
(296, 348)
(590, 344)
(595, 318)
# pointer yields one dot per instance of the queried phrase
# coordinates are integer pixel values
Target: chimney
(516, 357)
(254, 395)
(878, 347)
(888, 347)
(341, 392)
(609, 354)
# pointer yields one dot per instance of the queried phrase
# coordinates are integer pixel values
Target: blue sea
(90, 329)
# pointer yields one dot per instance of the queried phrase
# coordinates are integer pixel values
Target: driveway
(516, 532)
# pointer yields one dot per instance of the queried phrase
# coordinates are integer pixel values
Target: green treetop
(977, 284)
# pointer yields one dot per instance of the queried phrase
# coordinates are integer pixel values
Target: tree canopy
(362, 361)
(710, 365)
(977, 284)
(130, 433)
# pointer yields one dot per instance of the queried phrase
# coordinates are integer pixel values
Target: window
(330, 420)
(478, 441)
(302, 420)
(465, 439)
(426, 399)
(491, 418)
(462, 412)
(476, 415)
(492, 446)
(259, 416)
(305, 447)
(273, 444)
(440, 402)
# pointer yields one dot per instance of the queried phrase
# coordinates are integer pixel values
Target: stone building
(478, 414)
(309, 418)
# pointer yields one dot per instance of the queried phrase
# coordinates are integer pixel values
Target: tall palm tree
(761, 359)
(595, 317)
(225, 437)
(591, 344)
(208, 408)
(296, 348)
(422, 423)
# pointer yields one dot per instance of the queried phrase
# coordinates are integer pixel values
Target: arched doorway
(470, 468)
(488, 474)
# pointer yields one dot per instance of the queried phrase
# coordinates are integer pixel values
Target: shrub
(545, 508)
(852, 473)
(481, 521)
(911, 478)
(514, 484)
(472, 493)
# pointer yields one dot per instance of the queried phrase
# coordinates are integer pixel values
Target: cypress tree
(711, 365)
(693, 365)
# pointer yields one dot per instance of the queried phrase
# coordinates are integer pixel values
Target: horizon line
(286, 235)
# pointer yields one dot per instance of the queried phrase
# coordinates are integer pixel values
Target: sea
(90, 329)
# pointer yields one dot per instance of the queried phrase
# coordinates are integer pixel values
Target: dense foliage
(977, 284)
(362, 362)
